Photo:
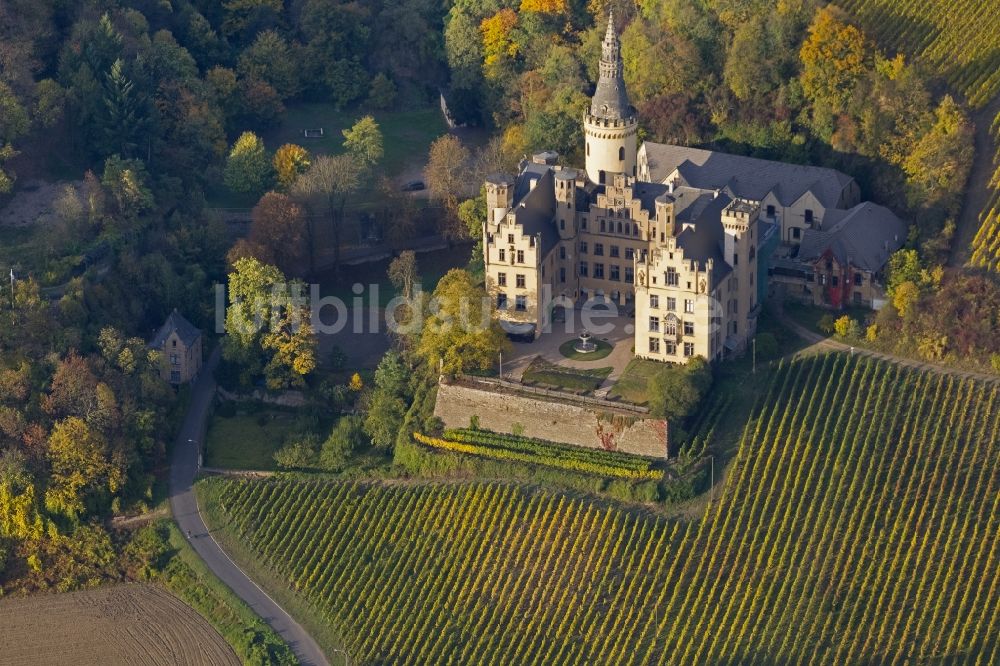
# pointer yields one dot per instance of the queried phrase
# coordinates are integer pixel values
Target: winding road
(184, 505)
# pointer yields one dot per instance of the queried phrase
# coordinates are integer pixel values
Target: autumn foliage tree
(290, 161)
(445, 174)
(279, 233)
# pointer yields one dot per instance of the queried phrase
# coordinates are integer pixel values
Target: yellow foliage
(871, 334)
(356, 383)
(289, 161)
(497, 44)
(833, 59)
(904, 296)
(544, 6)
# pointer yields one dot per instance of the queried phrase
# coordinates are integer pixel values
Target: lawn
(568, 349)
(407, 135)
(560, 377)
(247, 441)
(632, 385)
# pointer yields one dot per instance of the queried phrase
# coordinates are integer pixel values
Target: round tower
(610, 127)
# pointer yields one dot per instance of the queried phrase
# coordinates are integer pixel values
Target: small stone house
(180, 343)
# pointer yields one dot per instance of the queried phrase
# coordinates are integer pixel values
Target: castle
(690, 240)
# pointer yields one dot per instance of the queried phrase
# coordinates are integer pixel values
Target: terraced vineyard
(957, 39)
(860, 522)
(986, 246)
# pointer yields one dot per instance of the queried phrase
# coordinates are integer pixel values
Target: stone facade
(180, 346)
(555, 421)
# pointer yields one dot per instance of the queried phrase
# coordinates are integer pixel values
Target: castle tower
(610, 126)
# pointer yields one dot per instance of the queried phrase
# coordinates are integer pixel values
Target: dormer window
(809, 216)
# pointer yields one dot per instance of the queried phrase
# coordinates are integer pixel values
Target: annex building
(689, 240)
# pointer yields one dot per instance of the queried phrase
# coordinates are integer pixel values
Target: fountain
(585, 344)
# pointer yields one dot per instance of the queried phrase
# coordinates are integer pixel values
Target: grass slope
(860, 522)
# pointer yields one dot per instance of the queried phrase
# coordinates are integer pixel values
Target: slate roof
(863, 236)
(186, 331)
(744, 177)
(535, 209)
(610, 99)
(704, 239)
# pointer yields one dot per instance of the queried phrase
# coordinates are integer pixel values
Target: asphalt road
(184, 505)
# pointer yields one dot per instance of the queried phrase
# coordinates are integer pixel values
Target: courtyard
(541, 361)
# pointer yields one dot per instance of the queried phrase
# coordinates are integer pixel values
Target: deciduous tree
(364, 142)
(248, 168)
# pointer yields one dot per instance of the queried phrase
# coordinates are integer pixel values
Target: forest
(156, 107)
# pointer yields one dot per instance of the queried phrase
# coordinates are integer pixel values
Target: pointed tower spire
(610, 100)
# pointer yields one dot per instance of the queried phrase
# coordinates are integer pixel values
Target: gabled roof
(863, 236)
(176, 323)
(744, 177)
(704, 240)
(535, 208)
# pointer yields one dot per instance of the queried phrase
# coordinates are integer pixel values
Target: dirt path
(977, 191)
(820, 343)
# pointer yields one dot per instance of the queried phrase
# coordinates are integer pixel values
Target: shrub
(348, 436)
(847, 327)
(871, 333)
(300, 454)
(826, 323)
(767, 346)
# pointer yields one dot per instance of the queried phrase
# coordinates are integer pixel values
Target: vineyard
(957, 39)
(523, 449)
(859, 522)
(986, 246)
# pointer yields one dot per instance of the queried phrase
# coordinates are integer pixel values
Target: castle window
(671, 304)
(859, 279)
(629, 253)
(629, 275)
(689, 328)
(619, 227)
(520, 256)
(510, 238)
(599, 249)
(502, 254)
(583, 247)
(689, 305)
(689, 349)
(174, 358)
(562, 224)
(809, 216)
(583, 223)
(583, 269)
(770, 211)
(635, 229)
(614, 251)
(672, 277)
(501, 301)
(621, 154)
(562, 274)
(654, 301)
(736, 259)
(654, 345)
(654, 324)
(670, 327)
(502, 279)
(588, 149)
(521, 303)
(489, 239)
(796, 233)
(599, 271)
(519, 281)
(753, 252)
(562, 251)
(671, 348)
(531, 243)
(603, 226)
(615, 273)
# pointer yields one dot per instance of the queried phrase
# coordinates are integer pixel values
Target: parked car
(414, 186)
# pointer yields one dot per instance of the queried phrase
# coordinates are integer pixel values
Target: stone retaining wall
(555, 421)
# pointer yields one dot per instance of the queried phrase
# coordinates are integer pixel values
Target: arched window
(588, 149)
(621, 153)
(619, 227)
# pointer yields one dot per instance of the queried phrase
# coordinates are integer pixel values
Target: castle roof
(535, 205)
(176, 323)
(703, 237)
(744, 177)
(863, 236)
(610, 99)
